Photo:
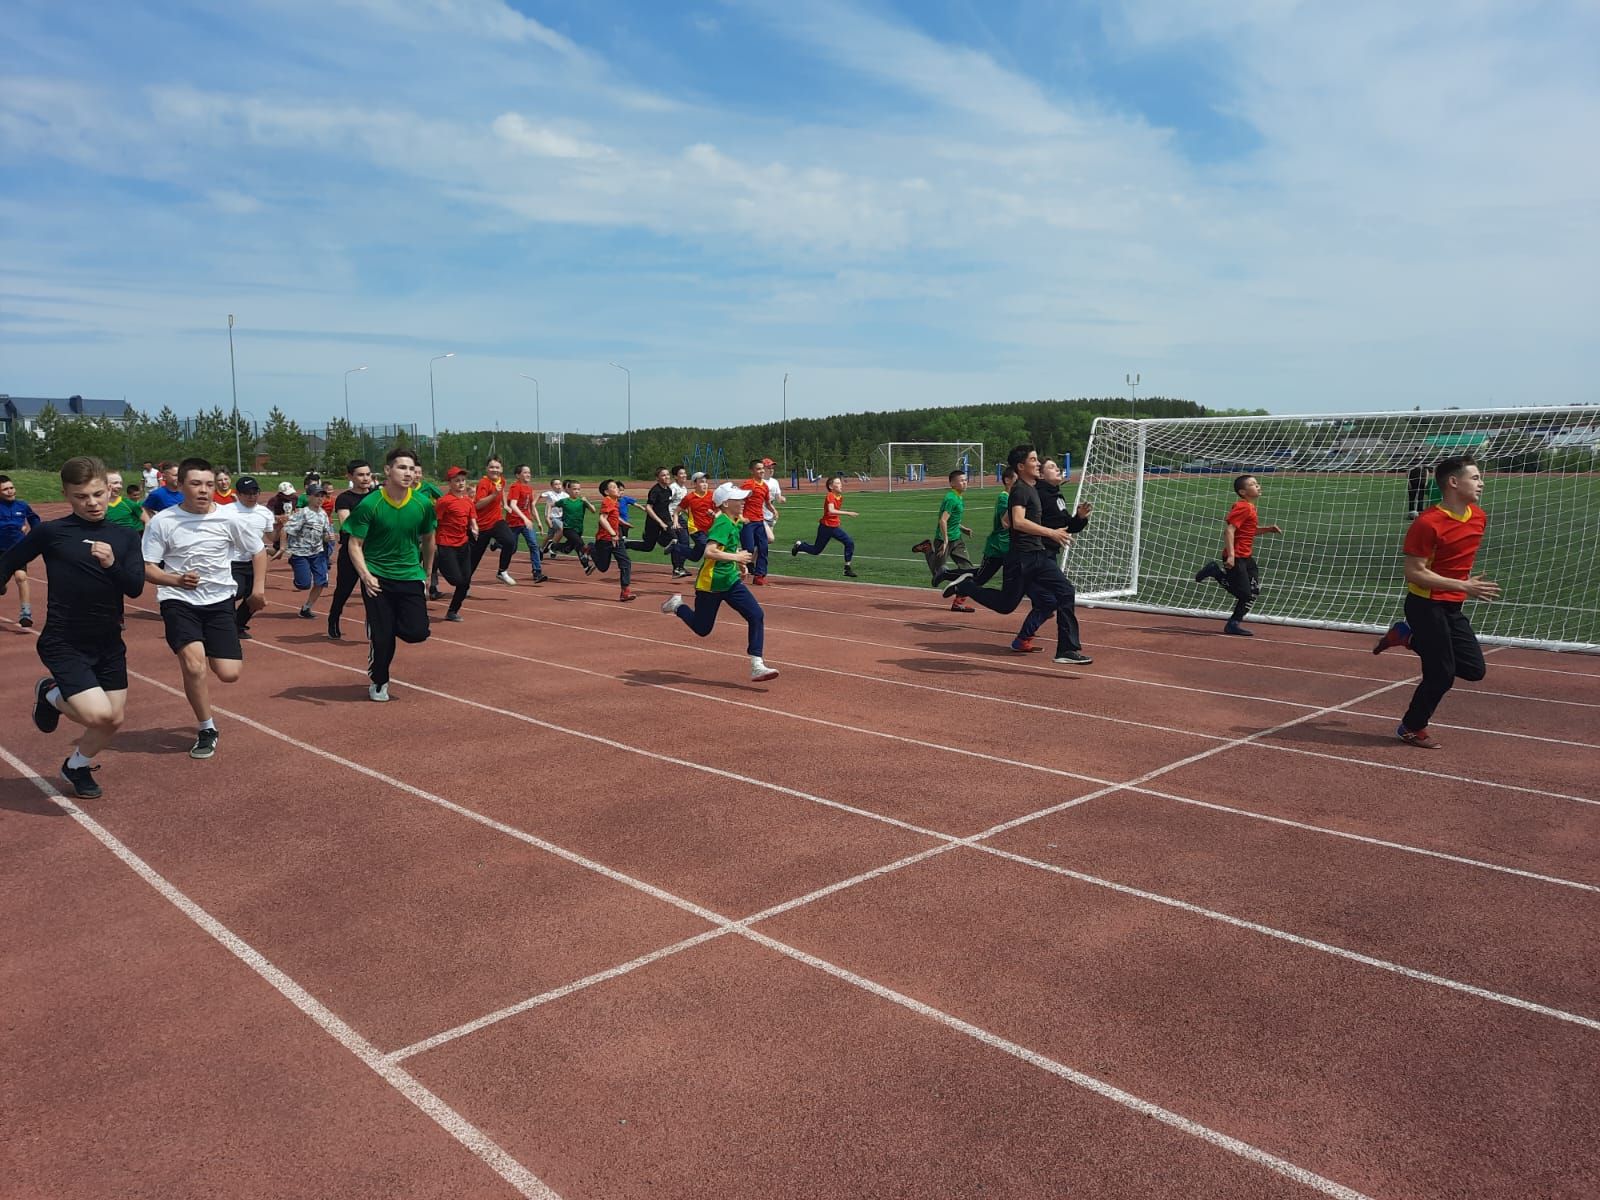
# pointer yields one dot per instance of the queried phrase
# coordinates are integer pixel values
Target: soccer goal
(1344, 488)
(913, 464)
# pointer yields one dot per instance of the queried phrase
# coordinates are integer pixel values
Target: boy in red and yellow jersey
(699, 511)
(492, 527)
(610, 538)
(1440, 547)
(828, 528)
(753, 533)
(523, 519)
(457, 513)
(1238, 573)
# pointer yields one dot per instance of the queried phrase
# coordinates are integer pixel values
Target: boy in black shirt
(359, 472)
(90, 565)
(1034, 546)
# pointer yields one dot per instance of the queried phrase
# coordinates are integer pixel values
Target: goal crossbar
(918, 453)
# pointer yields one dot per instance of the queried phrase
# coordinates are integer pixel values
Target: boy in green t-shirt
(572, 512)
(719, 581)
(391, 548)
(122, 511)
(947, 542)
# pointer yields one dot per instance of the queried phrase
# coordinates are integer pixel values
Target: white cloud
(543, 141)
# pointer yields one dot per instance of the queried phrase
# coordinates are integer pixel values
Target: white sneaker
(672, 604)
(378, 692)
(507, 578)
(760, 672)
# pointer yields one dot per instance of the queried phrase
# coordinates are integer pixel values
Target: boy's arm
(129, 569)
(1021, 524)
(1420, 573)
(1227, 544)
(606, 524)
(20, 555)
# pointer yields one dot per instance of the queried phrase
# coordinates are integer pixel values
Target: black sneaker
(246, 636)
(205, 744)
(1210, 571)
(334, 635)
(45, 716)
(952, 588)
(452, 616)
(849, 571)
(26, 620)
(435, 594)
(794, 550)
(1076, 657)
(306, 614)
(81, 779)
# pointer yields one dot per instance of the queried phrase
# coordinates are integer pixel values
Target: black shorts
(212, 624)
(78, 668)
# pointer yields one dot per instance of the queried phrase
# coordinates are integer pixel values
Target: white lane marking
(469, 1135)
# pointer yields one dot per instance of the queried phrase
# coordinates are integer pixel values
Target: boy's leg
(454, 564)
(89, 686)
(1464, 645)
(1002, 601)
(958, 554)
(345, 579)
(24, 594)
(702, 617)
(1242, 586)
(743, 601)
(759, 567)
(601, 556)
(380, 632)
(849, 545)
(244, 579)
(624, 565)
(1431, 638)
(409, 608)
(101, 714)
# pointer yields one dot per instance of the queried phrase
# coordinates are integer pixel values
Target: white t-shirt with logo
(255, 516)
(678, 493)
(553, 514)
(204, 543)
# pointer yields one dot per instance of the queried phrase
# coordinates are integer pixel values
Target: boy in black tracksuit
(1055, 513)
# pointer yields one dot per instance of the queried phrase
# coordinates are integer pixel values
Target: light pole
(433, 408)
(1133, 394)
(347, 375)
(629, 374)
(238, 455)
(538, 425)
(786, 424)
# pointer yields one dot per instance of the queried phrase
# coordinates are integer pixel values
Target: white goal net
(914, 464)
(1344, 489)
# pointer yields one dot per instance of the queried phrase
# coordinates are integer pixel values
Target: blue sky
(1306, 207)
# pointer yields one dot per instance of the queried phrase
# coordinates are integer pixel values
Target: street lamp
(785, 425)
(433, 409)
(538, 425)
(629, 374)
(238, 455)
(1133, 394)
(347, 375)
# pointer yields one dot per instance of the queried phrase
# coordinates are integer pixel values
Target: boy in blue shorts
(310, 537)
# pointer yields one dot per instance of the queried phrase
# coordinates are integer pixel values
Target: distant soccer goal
(1344, 488)
(913, 464)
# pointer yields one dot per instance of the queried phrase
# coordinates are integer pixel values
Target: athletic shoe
(627, 594)
(681, 572)
(1399, 634)
(1076, 657)
(452, 616)
(1210, 571)
(333, 632)
(672, 604)
(957, 606)
(759, 580)
(1412, 514)
(378, 692)
(760, 672)
(954, 586)
(541, 577)
(246, 636)
(922, 547)
(26, 621)
(1419, 737)
(849, 571)
(81, 779)
(588, 565)
(794, 550)
(45, 716)
(435, 594)
(306, 612)
(507, 578)
(1023, 645)
(1236, 629)
(205, 744)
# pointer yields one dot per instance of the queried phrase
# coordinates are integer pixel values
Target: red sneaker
(627, 594)
(1023, 645)
(1399, 634)
(957, 606)
(1416, 737)
(759, 580)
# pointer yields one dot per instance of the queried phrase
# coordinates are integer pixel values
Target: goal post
(1344, 487)
(927, 463)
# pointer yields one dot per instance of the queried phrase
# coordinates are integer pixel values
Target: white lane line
(469, 1135)
(1089, 1083)
(1527, 737)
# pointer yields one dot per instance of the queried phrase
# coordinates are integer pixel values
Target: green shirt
(998, 543)
(957, 508)
(429, 489)
(572, 510)
(389, 533)
(124, 512)
(718, 575)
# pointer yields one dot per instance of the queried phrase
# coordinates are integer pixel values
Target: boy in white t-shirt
(551, 498)
(188, 551)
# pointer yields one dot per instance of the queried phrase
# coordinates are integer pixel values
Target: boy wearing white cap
(719, 581)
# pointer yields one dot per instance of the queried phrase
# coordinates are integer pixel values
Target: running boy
(492, 527)
(524, 520)
(310, 537)
(609, 540)
(17, 520)
(359, 472)
(828, 528)
(188, 551)
(948, 534)
(753, 531)
(572, 509)
(249, 509)
(122, 510)
(1439, 549)
(719, 582)
(392, 545)
(551, 498)
(699, 510)
(1238, 575)
(90, 565)
(457, 515)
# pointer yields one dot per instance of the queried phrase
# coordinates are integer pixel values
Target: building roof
(28, 408)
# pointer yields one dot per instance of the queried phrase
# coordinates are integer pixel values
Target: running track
(583, 913)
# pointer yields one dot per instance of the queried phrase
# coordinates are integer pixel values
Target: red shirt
(221, 497)
(756, 502)
(1448, 543)
(491, 514)
(610, 510)
(520, 494)
(454, 513)
(702, 510)
(830, 509)
(1242, 516)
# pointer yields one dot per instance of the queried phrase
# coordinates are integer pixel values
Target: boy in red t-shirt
(610, 539)
(1440, 547)
(492, 527)
(753, 533)
(699, 511)
(828, 528)
(1238, 574)
(523, 518)
(457, 513)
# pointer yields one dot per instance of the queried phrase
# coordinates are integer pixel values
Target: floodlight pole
(347, 375)
(629, 374)
(786, 424)
(433, 409)
(238, 455)
(538, 425)
(1133, 395)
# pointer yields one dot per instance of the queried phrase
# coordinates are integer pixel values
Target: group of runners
(204, 540)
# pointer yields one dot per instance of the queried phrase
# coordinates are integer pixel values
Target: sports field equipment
(1344, 488)
(926, 463)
